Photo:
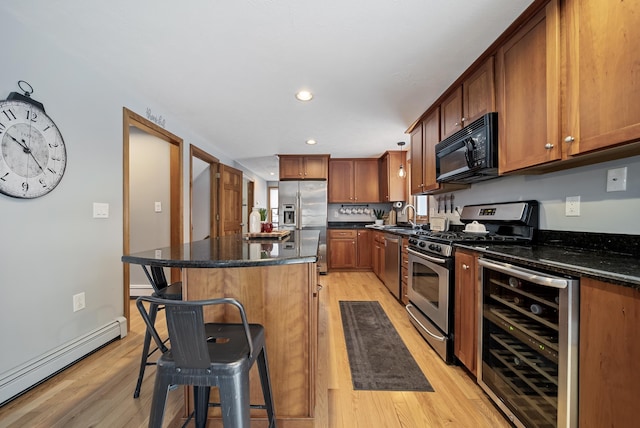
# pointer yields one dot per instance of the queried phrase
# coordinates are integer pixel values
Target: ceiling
(229, 69)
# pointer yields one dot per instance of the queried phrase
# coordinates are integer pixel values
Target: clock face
(32, 153)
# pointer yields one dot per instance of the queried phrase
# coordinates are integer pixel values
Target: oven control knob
(434, 247)
(422, 244)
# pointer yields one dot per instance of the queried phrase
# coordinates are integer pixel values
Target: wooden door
(478, 93)
(315, 167)
(365, 172)
(528, 93)
(451, 109)
(603, 84)
(340, 180)
(417, 176)
(466, 310)
(198, 198)
(363, 251)
(230, 200)
(431, 137)
(609, 354)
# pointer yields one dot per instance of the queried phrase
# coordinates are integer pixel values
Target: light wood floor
(97, 392)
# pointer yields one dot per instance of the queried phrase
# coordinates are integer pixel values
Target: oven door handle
(408, 308)
(526, 274)
(426, 256)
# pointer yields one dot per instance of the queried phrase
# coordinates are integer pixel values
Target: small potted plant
(379, 216)
(266, 227)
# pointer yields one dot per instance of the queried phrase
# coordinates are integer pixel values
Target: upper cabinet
(603, 74)
(304, 167)
(474, 98)
(353, 181)
(528, 93)
(392, 187)
(424, 138)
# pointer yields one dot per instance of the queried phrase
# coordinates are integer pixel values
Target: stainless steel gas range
(431, 264)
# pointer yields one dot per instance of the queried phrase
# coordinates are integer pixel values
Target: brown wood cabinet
(377, 256)
(349, 249)
(528, 90)
(392, 187)
(304, 167)
(470, 101)
(353, 181)
(603, 88)
(609, 386)
(424, 138)
(465, 344)
(404, 271)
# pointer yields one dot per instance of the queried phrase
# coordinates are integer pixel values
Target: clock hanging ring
(33, 156)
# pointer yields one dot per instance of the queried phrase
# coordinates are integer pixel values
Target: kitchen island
(277, 282)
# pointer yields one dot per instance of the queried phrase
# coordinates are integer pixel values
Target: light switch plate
(158, 207)
(100, 210)
(617, 179)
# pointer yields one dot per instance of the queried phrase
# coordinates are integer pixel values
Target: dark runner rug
(378, 357)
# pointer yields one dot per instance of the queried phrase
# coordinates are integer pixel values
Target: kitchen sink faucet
(404, 211)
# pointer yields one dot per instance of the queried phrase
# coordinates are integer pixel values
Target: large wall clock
(33, 156)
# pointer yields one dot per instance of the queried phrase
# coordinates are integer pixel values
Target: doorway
(133, 123)
(203, 195)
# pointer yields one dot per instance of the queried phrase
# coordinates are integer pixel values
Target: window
(273, 206)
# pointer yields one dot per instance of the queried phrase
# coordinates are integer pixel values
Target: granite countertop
(621, 269)
(301, 246)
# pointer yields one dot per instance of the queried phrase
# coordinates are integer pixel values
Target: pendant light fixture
(402, 173)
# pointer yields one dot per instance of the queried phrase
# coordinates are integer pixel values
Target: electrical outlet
(78, 302)
(572, 206)
(617, 180)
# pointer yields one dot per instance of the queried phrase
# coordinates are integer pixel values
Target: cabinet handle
(464, 119)
(464, 266)
(456, 124)
(548, 146)
(569, 139)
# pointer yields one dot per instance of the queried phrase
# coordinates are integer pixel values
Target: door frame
(129, 118)
(214, 219)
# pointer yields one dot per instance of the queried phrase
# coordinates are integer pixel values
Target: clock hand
(27, 150)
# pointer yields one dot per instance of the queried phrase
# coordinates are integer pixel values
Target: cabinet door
(528, 93)
(451, 110)
(609, 355)
(340, 180)
(466, 310)
(315, 167)
(290, 167)
(417, 176)
(366, 180)
(364, 256)
(603, 87)
(431, 137)
(478, 93)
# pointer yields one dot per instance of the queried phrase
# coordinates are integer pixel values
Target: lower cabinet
(349, 249)
(404, 271)
(465, 344)
(609, 385)
(377, 253)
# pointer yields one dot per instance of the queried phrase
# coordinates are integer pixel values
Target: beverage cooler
(528, 351)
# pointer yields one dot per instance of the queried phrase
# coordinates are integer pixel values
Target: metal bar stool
(161, 289)
(209, 355)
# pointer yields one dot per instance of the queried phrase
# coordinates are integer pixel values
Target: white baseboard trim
(136, 290)
(31, 373)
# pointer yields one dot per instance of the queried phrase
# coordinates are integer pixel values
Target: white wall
(600, 211)
(52, 248)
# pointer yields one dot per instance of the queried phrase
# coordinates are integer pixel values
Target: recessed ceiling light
(311, 142)
(272, 173)
(304, 96)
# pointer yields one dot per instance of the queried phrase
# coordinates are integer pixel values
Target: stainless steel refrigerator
(303, 205)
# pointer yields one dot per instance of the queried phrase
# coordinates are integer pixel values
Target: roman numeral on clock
(9, 114)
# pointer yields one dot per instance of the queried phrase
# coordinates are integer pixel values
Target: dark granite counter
(348, 224)
(621, 269)
(301, 246)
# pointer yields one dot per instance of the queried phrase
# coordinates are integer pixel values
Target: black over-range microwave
(471, 154)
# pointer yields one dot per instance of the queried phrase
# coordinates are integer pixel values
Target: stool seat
(205, 355)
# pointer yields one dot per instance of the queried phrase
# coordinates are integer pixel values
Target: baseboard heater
(31, 373)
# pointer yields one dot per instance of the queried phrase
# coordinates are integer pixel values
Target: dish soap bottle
(254, 221)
